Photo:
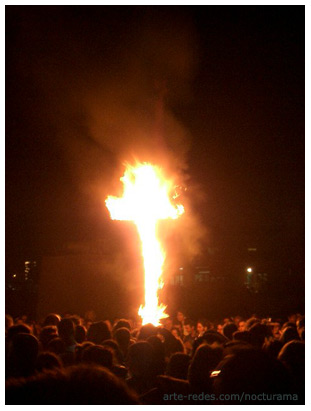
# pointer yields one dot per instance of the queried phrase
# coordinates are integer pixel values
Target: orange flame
(145, 201)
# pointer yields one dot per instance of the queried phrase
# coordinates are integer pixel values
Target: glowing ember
(145, 201)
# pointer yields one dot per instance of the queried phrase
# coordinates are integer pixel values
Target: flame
(145, 201)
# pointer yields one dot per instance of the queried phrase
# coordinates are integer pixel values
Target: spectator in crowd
(80, 334)
(178, 366)
(98, 332)
(142, 367)
(51, 319)
(47, 334)
(203, 363)
(48, 361)
(66, 332)
(123, 337)
(152, 361)
(76, 385)
(22, 355)
(201, 327)
(228, 330)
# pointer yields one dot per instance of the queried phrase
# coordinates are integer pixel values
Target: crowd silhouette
(73, 360)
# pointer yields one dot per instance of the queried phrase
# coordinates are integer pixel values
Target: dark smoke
(108, 80)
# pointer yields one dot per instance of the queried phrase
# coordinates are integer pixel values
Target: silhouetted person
(146, 331)
(122, 323)
(171, 344)
(159, 353)
(141, 364)
(117, 353)
(289, 334)
(22, 355)
(258, 334)
(292, 355)
(66, 333)
(77, 385)
(98, 332)
(178, 366)
(47, 334)
(18, 329)
(48, 361)
(241, 336)
(250, 371)
(51, 319)
(123, 337)
(57, 346)
(204, 361)
(80, 334)
(272, 347)
(99, 355)
(250, 322)
(229, 329)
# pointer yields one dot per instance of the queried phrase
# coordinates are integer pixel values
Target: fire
(145, 201)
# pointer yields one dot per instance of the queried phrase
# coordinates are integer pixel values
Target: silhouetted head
(159, 353)
(121, 324)
(98, 332)
(241, 336)
(289, 334)
(99, 355)
(146, 331)
(51, 319)
(250, 322)
(76, 385)
(178, 366)
(47, 334)
(56, 345)
(141, 360)
(292, 355)
(257, 334)
(22, 355)
(117, 354)
(80, 348)
(204, 361)
(18, 329)
(66, 329)
(272, 348)
(80, 334)
(48, 361)
(123, 336)
(229, 329)
(250, 372)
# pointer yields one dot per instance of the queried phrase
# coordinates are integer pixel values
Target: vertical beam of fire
(145, 201)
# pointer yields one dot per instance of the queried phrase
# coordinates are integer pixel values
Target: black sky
(234, 80)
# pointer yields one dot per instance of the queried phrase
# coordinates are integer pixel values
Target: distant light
(181, 268)
(14, 275)
(27, 262)
(249, 270)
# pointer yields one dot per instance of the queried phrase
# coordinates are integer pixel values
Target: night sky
(217, 91)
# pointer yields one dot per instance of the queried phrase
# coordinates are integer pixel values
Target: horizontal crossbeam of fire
(145, 201)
